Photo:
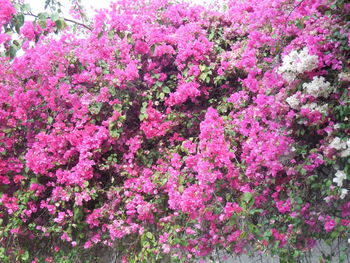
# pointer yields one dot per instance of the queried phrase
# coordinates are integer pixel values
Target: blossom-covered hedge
(173, 130)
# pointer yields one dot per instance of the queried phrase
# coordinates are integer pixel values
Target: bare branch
(65, 19)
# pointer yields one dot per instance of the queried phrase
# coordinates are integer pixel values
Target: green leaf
(25, 256)
(13, 51)
(121, 34)
(42, 19)
(55, 17)
(149, 235)
(166, 89)
(143, 116)
(203, 76)
(19, 22)
(115, 133)
(42, 23)
(78, 213)
(211, 36)
(25, 8)
(303, 171)
(146, 244)
(110, 34)
(143, 110)
(130, 38)
(60, 24)
(42, 16)
(50, 120)
(256, 211)
(95, 107)
(299, 200)
(247, 197)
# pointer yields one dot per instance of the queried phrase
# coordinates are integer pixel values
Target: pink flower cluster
(6, 12)
(175, 129)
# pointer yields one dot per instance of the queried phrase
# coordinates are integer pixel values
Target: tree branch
(65, 19)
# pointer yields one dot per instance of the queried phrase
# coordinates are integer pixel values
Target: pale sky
(90, 5)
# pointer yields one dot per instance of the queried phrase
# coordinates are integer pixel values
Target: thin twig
(65, 19)
(286, 24)
(282, 40)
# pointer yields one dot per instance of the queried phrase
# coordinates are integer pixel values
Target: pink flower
(329, 225)
(87, 244)
(65, 237)
(141, 47)
(234, 236)
(166, 248)
(18, 178)
(15, 230)
(96, 238)
(6, 11)
(4, 38)
(231, 208)
(283, 206)
(163, 238)
(28, 30)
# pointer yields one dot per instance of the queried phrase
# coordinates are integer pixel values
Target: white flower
(344, 76)
(318, 87)
(310, 106)
(341, 145)
(315, 107)
(288, 76)
(297, 63)
(340, 176)
(338, 181)
(343, 193)
(327, 199)
(293, 101)
(336, 126)
(306, 61)
(346, 152)
(337, 144)
(322, 109)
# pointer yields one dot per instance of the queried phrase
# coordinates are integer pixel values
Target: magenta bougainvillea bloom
(171, 130)
(6, 12)
(329, 225)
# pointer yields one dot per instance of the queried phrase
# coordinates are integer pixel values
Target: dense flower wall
(173, 130)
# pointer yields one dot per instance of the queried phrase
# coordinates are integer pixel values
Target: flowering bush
(172, 130)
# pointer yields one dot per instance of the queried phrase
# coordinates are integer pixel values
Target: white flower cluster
(343, 193)
(318, 87)
(296, 63)
(344, 77)
(341, 145)
(293, 101)
(340, 176)
(314, 106)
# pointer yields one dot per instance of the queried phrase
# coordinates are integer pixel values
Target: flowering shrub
(171, 130)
